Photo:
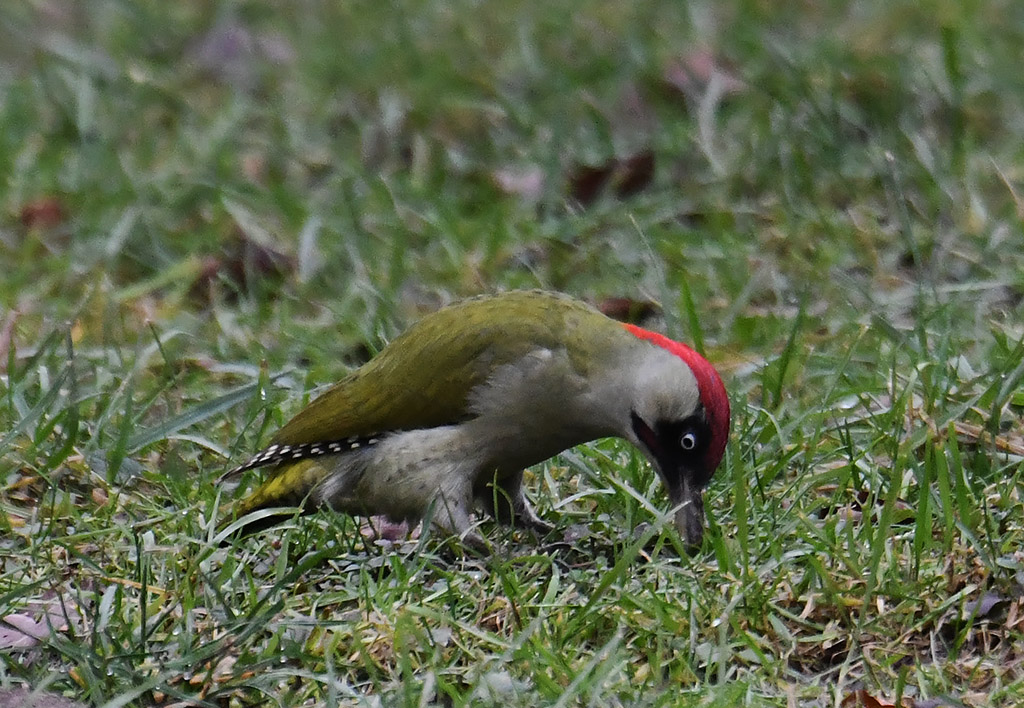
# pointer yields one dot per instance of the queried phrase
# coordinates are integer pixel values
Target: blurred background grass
(210, 209)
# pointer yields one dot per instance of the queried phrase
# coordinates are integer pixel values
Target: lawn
(210, 211)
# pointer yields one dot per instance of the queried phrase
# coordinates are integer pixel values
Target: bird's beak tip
(690, 518)
(691, 528)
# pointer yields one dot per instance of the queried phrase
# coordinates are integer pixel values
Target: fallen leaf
(857, 502)
(626, 309)
(977, 435)
(634, 174)
(587, 181)
(862, 699)
(42, 213)
(627, 176)
(985, 608)
(243, 259)
(21, 630)
(99, 496)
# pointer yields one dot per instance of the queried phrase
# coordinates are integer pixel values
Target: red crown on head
(712, 391)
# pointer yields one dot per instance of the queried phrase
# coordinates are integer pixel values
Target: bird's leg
(451, 513)
(505, 500)
(527, 517)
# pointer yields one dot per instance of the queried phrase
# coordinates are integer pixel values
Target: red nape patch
(712, 390)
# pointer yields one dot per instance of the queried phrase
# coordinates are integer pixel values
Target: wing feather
(424, 378)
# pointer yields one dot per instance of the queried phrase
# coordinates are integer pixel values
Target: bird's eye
(688, 441)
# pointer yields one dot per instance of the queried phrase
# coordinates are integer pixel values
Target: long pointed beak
(690, 515)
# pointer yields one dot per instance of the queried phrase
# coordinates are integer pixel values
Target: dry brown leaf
(42, 213)
(99, 496)
(634, 174)
(863, 699)
(45, 212)
(977, 435)
(586, 182)
(19, 631)
(243, 259)
(857, 503)
(23, 630)
(627, 177)
(625, 309)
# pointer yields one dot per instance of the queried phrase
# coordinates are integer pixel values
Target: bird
(444, 420)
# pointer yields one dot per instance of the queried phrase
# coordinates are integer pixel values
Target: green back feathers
(424, 377)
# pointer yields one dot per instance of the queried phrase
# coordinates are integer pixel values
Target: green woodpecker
(444, 420)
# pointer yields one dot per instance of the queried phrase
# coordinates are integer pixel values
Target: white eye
(688, 441)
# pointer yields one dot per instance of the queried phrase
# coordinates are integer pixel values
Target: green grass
(190, 247)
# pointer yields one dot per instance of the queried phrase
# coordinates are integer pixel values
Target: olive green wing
(424, 377)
